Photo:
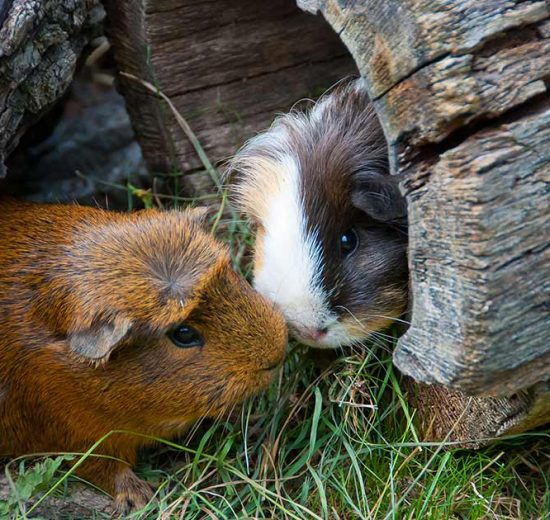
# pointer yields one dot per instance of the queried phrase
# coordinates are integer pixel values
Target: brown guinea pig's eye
(185, 336)
(348, 242)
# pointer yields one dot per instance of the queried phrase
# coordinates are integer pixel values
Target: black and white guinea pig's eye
(185, 336)
(348, 242)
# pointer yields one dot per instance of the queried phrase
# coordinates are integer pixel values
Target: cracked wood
(40, 43)
(479, 228)
(461, 89)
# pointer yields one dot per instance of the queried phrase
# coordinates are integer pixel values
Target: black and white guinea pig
(331, 223)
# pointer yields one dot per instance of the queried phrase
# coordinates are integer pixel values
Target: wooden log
(479, 229)
(392, 39)
(228, 74)
(461, 89)
(40, 43)
(457, 90)
(471, 421)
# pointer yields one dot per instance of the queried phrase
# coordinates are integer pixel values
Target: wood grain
(228, 74)
(459, 89)
(445, 415)
(392, 39)
(480, 262)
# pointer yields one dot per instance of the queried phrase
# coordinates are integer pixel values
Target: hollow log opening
(228, 75)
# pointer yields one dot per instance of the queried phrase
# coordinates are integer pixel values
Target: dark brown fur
(86, 299)
(345, 184)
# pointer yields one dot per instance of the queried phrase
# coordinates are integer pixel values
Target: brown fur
(86, 299)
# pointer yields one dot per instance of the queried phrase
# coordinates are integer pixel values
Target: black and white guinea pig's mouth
(315, 337)
(337, 333)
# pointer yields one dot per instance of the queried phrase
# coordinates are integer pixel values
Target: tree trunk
(461, 91)
(227, 66)
(40, 43)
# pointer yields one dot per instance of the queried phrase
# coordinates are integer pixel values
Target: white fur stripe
(291, 267)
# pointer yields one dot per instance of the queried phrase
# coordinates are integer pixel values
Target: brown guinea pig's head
(158, 325)
(331, 222)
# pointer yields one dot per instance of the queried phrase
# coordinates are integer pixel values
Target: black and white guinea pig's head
(331, 224)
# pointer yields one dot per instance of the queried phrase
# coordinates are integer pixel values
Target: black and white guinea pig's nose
(310, 336)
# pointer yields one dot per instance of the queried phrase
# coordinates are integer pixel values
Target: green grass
(330, 439)
(335, 442)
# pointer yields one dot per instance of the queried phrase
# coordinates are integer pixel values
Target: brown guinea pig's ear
(379, 197)
(96, 343)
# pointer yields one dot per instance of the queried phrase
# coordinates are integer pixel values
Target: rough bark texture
(480, 223)
(470, 421)
(40, 43)
(227, 74)
(461, 91)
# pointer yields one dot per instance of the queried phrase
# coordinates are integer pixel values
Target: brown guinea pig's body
(113, 321)
(331, 223)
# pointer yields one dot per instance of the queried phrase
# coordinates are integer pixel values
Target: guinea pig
(331, 241)
(119, 321)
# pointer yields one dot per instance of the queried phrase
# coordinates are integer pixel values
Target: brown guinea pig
(331, 223)
(119, 321)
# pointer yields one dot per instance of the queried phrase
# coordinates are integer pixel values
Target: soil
(79, 502)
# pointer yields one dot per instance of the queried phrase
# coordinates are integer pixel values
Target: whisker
(375, 333)
(377, 338)
(368, 316)
(406, 322)
(197, 424)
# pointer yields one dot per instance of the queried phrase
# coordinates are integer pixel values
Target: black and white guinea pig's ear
(379, 197)
(96, 343)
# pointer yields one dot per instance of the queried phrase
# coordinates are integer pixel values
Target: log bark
(228, 74)
(461, 89)
(40, 43)
(480, 223)
(471, 421)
